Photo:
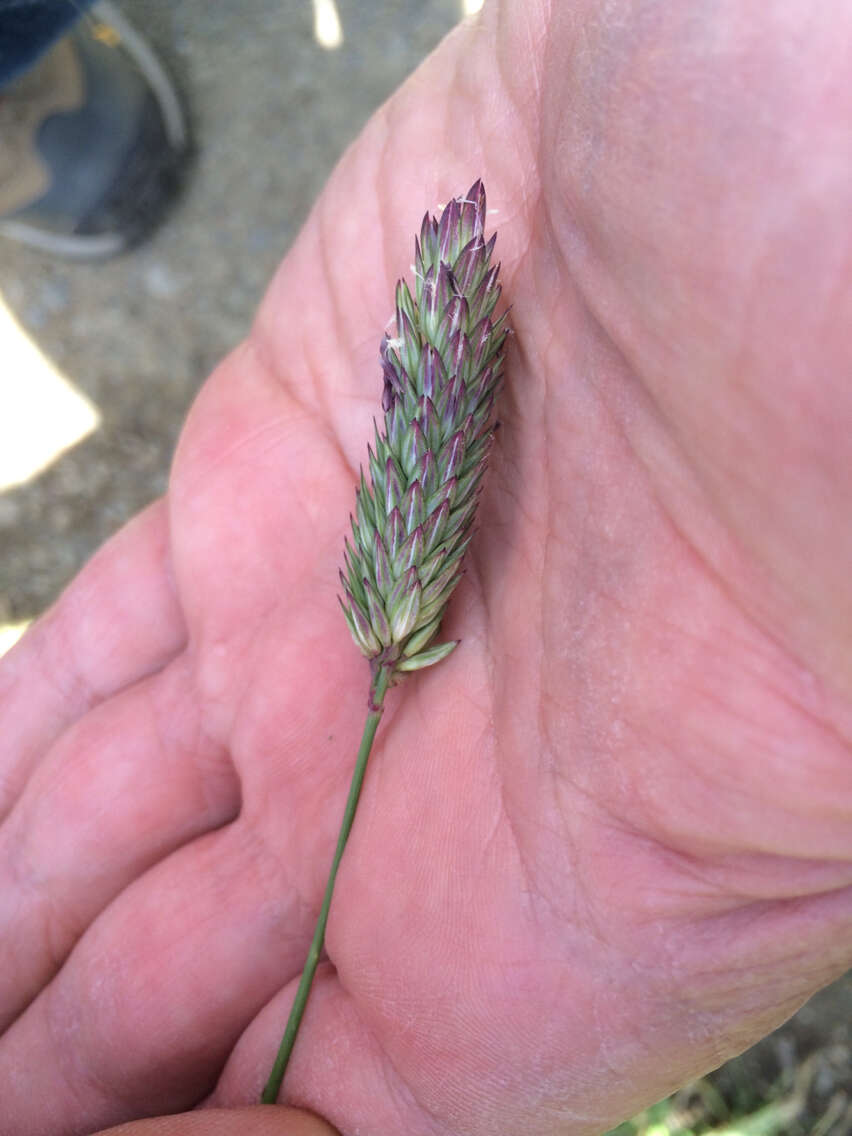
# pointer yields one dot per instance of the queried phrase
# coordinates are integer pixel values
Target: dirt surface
(271, 111)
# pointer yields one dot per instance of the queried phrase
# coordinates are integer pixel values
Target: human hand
(256, 1121)
(607, 843)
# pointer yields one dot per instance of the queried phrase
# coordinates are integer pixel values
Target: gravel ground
(271, 111)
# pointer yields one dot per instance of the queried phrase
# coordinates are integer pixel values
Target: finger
(260, 1121)
(149, 1004)
(336, 1060)
(117, 621)
(131, 781)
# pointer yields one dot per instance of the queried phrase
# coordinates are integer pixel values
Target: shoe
(93, 141)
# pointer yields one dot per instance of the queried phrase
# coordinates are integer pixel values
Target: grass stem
(378, 690)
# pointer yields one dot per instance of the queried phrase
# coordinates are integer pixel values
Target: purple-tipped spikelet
(442, 370)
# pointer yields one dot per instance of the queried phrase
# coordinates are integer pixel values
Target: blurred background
(98, 365)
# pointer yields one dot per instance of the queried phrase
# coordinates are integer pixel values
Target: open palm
(605, 844)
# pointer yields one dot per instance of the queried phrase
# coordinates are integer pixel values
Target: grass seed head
(441, 373)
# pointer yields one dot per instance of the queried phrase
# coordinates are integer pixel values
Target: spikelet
(442, 371)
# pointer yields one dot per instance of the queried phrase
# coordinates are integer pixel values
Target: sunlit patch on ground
(10, 633)
(41, 413)
(328, 31)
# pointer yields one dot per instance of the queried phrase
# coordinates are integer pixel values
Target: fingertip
(259, 1120)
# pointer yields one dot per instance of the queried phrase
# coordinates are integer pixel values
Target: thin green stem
(378, 690)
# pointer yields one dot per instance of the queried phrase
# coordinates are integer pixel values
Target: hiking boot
(92, 142)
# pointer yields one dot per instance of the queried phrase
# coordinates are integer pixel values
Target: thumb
(261, 1120)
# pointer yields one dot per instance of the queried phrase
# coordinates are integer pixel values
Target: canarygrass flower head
(441, 371)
